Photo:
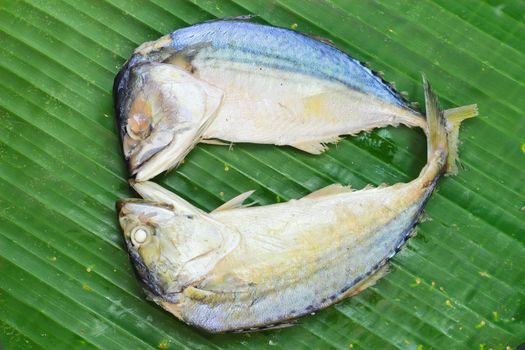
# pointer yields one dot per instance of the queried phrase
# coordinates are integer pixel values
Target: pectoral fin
(215, 142)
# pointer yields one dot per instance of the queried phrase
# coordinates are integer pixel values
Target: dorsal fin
(233, 18)
(329, 190)
(240, 18)
(236, 202)
(321, 39)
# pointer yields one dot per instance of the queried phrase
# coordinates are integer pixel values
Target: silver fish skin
(278, 87)
(249, 268)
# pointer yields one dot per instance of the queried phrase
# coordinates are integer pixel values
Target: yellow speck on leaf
(420, 347)
(53, 258)
(294, 26)
(433, 284)
(448, 303)
(89, 269)
(221, 194)
(164, 344)
(480, 324)
(495, 316)
(484, 274)
(481, 346)
(226, 167)
(86, 287)
(523, 147)
(417, 282)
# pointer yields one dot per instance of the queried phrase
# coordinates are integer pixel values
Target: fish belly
(274, 106)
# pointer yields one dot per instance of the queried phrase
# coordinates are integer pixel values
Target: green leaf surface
(65, 279)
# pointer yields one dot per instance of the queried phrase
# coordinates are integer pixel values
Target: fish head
(170, 248)
(162, 114)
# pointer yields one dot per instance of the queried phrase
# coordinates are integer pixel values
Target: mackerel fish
(236, 81)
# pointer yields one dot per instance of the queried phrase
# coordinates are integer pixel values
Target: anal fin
(266, 328)
(364, 284)
(315, 146)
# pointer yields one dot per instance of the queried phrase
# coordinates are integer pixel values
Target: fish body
(278, 87)
(247, 268)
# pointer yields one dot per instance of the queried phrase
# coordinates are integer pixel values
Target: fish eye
(140, 235)
(139, 126)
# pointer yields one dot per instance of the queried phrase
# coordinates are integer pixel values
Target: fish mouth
(163, 159)
(152, 165)
(137, 161)
(120, 204)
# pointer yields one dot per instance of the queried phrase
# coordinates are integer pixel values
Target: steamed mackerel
(248, 268)
(258, 84)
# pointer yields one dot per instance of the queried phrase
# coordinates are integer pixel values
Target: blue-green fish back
(256, 44)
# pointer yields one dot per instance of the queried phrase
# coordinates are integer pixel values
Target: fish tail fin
(454, 117)
(443, 129)
(436, 124)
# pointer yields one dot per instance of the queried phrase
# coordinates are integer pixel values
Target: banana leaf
(65, 278)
